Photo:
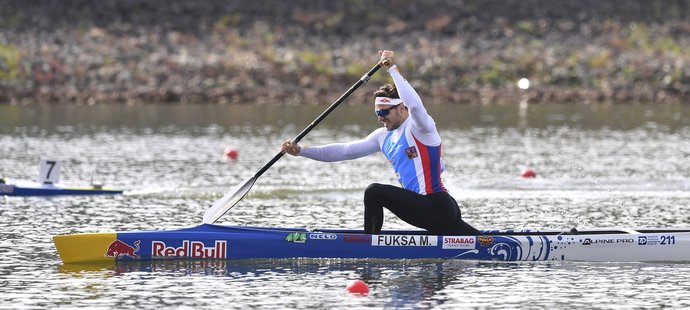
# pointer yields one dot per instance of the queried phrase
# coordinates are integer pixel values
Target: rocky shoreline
(297, 52)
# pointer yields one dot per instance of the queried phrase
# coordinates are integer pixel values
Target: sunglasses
(384, 112)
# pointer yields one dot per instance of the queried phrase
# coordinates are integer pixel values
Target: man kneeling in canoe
(411, 143)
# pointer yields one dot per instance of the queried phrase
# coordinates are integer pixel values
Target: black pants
(438, 212)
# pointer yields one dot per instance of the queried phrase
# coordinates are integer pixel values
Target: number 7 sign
(49, 171)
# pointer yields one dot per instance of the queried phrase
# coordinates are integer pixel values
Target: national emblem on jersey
(411, 152)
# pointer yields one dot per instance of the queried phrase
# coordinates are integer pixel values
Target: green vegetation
(10, 58)
(319, 62)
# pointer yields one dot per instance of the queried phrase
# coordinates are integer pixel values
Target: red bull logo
(119, 249)
(190, 249)
(388, 101)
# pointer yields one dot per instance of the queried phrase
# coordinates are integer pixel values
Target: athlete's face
(393, 119)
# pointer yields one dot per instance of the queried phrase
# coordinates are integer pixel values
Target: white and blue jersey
(417, 166)
(413, 149)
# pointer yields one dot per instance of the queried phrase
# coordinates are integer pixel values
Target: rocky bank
(296, 52)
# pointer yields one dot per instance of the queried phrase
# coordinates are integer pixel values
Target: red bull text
(190, 249)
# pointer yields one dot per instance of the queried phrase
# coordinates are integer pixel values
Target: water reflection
(400, 284)
(403, 283)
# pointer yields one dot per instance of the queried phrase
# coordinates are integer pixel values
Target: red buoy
(358, 287)
(529, 173)
(231, 153)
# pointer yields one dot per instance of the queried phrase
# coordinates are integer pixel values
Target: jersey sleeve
(344, 151)
(424, 125)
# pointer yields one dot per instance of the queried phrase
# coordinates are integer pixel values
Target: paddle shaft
(323, 115)
(232, 197)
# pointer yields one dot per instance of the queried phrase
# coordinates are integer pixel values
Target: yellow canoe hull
(87, 247)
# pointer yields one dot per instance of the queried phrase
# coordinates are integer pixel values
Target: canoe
(11, 187)
(210, 241)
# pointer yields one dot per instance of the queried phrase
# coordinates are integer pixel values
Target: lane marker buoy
(529, 173)
(357, 287)
(231, 153)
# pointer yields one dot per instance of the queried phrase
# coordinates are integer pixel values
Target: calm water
(597, 166)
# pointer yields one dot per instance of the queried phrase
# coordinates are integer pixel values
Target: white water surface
(597, 166)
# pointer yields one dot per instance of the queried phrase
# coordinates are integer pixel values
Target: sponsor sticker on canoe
(120, 249)
(656, 240)
(190, 248)
(356, 238)
(608, 241)
(321, 236)
(297, 237)
(403, 240)
(458, 242)
(486, 240)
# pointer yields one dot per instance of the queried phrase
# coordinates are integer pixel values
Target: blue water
(597, 166)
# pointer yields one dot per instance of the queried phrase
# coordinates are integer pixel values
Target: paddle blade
(229, 200)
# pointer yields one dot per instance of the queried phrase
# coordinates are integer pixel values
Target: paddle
(232, 197)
